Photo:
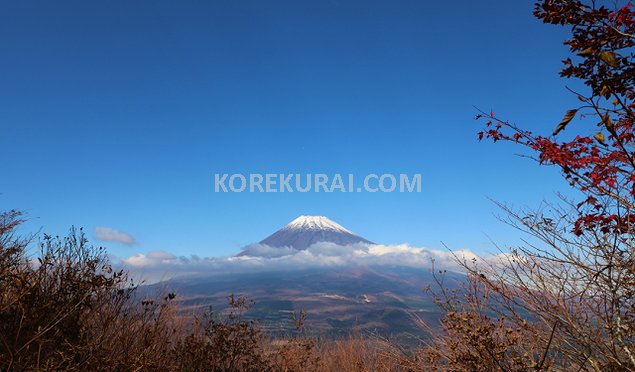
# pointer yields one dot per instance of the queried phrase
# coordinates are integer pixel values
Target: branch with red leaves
(601, 165)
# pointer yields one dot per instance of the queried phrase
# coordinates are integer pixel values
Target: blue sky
(116, 114)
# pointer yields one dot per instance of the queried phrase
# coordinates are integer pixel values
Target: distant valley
(385, 300)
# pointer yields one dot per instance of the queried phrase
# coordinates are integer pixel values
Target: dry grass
(68, 310)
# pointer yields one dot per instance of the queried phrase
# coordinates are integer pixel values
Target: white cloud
(260, 258)
(111, 235)
(152, 259)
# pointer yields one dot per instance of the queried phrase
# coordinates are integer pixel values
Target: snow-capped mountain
(305, 231)
(384, 299)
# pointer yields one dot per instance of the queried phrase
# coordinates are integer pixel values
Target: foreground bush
(67, 309)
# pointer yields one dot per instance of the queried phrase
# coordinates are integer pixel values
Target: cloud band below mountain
(263, 258)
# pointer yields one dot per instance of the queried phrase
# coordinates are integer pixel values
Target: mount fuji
(386, 299)
(305, 231)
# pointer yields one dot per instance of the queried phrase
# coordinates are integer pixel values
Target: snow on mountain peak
(304, 231)
(316, 223)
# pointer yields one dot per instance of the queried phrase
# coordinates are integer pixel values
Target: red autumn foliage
(574, 280)
(602, 165)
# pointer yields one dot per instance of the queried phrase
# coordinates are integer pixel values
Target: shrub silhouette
(44, 300)
(67, 309)
(224, 342)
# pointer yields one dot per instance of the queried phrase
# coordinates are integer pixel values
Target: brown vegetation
(67, 309)
(563, 301)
